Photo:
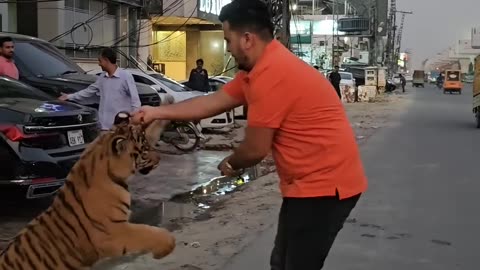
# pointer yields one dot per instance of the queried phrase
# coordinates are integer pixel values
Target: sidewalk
(256, 256)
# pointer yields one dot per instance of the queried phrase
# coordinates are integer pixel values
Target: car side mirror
(162, 91)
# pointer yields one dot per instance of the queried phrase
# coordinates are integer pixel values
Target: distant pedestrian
(335, 80)
(150, 61)
(198, 79)
(116, 88)
(7, 65)
(403, 81)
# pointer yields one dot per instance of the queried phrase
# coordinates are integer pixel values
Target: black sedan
(40, 139)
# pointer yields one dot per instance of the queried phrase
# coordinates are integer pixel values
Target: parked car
(346, 78)
(179, 92)
(40, 139)
(44, 67)
(468, 78)
(218, 82)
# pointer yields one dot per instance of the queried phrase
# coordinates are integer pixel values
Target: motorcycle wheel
(187, 133)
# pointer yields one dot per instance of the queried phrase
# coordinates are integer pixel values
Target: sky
(436, 24)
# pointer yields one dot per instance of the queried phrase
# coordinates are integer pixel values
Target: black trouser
(307, 228)
(337, 89)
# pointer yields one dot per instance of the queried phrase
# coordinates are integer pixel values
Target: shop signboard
(212, 7)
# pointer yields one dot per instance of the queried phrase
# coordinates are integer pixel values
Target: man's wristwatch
(229, 166)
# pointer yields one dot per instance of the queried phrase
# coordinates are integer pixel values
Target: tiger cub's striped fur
(88, 219)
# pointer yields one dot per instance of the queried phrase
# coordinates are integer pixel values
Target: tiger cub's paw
(165, 246)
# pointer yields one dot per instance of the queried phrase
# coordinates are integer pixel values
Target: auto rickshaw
(452, 82)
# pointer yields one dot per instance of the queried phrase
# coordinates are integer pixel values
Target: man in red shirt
(7, 66)
(295, 113)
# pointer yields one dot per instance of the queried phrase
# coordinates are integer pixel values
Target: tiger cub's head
(131, 146)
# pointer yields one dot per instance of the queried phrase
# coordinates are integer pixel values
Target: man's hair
(249, 15)
(199, 61)
(109, 54)
(5, 39)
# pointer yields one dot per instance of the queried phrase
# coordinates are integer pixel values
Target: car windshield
(43, 60)
(14, 89)
(346, 76)
(173, 85)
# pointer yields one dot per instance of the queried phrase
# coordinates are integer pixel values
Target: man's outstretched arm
(229, 97)
(192, 109)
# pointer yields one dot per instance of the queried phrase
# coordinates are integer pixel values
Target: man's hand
(63, 97)
(226, 169)
(145, 114)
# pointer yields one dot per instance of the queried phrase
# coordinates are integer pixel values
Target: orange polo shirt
(314, 148)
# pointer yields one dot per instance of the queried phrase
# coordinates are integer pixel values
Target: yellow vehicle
(476, 91)
(452, 82)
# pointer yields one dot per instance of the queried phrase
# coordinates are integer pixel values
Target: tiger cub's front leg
(139, 238)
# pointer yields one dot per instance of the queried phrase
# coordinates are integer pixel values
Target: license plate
(75, 137)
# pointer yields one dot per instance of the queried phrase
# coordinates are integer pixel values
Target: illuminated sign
(212, 6)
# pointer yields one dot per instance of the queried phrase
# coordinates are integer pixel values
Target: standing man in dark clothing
(403, 81)
(199, 78)
(335, 79)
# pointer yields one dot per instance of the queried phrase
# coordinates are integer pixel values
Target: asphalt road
(421, 209)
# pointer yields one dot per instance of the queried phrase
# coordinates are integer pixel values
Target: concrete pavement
(420, 211)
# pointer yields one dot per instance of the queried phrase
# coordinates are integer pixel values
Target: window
(69, 3)
(34, 57)
(142, 79)
(215, 85)
(77, 53)
(82, 4)
(345, 76)
(173, 85)
(112, 9)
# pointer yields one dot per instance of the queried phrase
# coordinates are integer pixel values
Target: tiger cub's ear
(119, 145)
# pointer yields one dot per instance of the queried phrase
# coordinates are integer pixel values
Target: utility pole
(399, 37)
(333, 33)
(286, 23)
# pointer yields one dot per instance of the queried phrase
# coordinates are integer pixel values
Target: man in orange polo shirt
(294, 112)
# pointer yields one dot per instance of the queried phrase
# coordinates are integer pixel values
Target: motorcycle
(439, 84)
(184, 136)
(390, 87)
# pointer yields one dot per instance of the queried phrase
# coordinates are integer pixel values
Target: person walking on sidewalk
(403, 81)
(335, 79)
(116, 88)
(294, 113)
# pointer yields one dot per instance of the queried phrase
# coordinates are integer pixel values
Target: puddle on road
(218, 186)
(189, 206)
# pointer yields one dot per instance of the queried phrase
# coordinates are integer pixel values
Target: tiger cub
(88, 219)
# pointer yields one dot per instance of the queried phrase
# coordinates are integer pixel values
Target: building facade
(185, 32)
(73, 25)
(316, 39)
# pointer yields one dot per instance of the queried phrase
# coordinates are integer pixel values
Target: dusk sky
(436, 24)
